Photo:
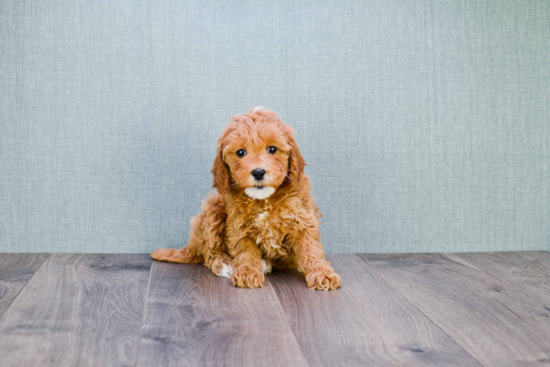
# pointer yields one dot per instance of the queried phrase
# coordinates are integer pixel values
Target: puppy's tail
(186, 255)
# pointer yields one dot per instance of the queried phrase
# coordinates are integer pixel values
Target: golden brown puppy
(263, 215)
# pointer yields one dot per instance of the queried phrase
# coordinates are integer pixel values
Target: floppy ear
(296, 162)
(220, 171)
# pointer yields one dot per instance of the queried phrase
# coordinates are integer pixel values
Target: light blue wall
(425, 124)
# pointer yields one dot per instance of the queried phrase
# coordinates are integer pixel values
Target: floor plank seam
(144, 313)
(418, 309)
(502, 280)
(28, 281)
(290, 326)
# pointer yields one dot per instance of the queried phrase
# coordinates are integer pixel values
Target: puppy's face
(257, 153)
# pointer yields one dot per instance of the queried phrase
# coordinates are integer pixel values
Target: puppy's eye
(271, 150)
(241, 153)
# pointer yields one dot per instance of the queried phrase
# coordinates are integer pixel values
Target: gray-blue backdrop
(425, 124)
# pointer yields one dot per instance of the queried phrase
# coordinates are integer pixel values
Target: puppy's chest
(270, 228)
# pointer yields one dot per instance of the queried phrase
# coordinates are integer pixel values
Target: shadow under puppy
(263, 215)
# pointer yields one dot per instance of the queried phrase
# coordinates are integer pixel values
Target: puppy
(263, 215)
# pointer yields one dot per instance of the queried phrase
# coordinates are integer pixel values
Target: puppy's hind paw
(222, 266)
(323, 280)
(226, 271)
(223, 270)
(266, 267)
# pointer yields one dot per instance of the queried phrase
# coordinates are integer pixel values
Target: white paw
(266, 267)
(226, 271)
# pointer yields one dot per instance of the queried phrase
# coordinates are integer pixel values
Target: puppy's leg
(247, 263)
(201, 249)
(206, 244)
(311, 260)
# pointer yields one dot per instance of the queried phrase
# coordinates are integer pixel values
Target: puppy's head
(257, 153)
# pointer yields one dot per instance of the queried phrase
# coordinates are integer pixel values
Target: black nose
(258, 173)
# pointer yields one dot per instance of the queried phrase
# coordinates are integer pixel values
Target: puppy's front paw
(247, 277)
(323, 280)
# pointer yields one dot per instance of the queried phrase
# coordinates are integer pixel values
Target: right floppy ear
(220, 171)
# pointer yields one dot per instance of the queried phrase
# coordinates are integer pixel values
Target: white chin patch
(259, 193)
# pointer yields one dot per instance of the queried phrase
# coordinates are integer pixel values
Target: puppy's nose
(258, 173)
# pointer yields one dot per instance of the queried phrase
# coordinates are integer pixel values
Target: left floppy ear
(296, 162)
(220, 171)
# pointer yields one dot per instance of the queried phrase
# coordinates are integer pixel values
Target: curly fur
(235, 231)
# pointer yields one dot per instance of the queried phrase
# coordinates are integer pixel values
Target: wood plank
(538, 260)
(365, 323)
(494, 322)
(78, 310)
(194, 318)
(15, 272)
(521, 270)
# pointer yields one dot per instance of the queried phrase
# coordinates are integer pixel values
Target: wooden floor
(484, 309)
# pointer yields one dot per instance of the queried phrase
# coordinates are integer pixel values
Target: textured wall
(425, 124)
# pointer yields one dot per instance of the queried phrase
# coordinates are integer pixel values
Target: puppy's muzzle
(258, 174)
